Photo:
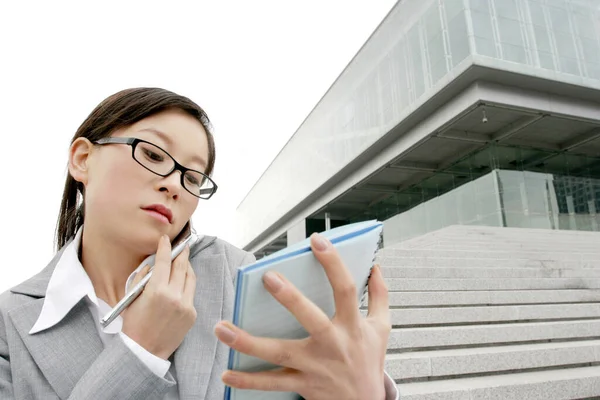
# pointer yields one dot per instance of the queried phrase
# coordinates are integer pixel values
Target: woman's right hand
(164, 312)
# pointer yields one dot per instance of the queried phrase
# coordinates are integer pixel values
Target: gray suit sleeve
(119, 374)
(248, 258)
(6, 390)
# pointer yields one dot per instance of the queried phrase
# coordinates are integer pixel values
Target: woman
(138, 166)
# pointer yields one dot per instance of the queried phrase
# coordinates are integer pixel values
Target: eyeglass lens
(159, 162)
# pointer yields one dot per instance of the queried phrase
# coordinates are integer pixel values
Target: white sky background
(257, 68)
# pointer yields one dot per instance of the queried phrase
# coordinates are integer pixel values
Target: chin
(144, 239)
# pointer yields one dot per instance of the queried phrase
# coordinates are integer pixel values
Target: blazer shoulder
(237, 256)
(10, 301)
(234, 256)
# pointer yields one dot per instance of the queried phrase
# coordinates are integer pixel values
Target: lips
(159, 208)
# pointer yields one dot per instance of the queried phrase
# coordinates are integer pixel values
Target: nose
(171, 184)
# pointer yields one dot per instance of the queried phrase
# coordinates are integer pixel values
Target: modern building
(474, 112)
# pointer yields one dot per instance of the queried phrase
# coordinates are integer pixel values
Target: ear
(79, 153)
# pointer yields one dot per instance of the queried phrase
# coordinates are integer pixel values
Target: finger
(378, 296)
(284, 353)
(281, 380)
(311, 317)
(189, 290)
(342, 283)
(162, 264)
(179, 268)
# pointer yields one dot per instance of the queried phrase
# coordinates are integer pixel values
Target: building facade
(454, 111)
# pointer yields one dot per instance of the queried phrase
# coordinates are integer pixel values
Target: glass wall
(474, 203)
(500, 186)
(561, 36)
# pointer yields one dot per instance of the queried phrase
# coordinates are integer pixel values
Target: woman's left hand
(342, 358)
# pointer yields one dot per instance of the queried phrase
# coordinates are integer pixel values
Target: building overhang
(522, 111)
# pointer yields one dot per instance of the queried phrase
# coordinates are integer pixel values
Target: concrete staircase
(495, 313)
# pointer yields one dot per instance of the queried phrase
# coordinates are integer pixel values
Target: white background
(257, 68)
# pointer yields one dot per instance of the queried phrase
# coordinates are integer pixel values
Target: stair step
(514, 262)
(411, 299)
(442, 363)
(550, 254)
(404, 339)
(402, 284)
(494, 313)
(490, 273)
(478, 314)
(572, 383)
(466, 243)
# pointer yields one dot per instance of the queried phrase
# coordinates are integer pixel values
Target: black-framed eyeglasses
(158, 161)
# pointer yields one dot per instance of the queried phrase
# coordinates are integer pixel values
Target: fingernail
(273, 282)
(374, 269)
(230, 378)
(225, 333)
(320, 243)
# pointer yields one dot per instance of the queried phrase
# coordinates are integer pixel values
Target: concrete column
(297, 232)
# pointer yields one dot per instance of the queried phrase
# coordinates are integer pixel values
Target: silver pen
(137, 289)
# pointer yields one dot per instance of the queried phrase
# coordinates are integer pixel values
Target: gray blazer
(68, 361)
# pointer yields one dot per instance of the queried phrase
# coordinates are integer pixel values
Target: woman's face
(122, 197)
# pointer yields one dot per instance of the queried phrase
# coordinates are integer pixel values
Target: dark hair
(118, 111)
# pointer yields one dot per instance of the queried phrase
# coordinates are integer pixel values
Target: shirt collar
(68, 284)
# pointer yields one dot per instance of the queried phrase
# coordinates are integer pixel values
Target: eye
(153, 156)
(192, 180)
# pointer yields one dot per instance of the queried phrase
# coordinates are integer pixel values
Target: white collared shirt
(69, 284)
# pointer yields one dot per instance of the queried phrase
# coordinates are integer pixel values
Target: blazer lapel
(195, 356)
(64, 352)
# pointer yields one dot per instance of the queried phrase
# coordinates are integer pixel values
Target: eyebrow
(169, 141)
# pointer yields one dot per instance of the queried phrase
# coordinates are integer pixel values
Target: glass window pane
(506, 8)
(480, 5)
(432, 21)
(537, 13)
(514, 53)
(417, 61)
(569, 65)
(593, 70)
(591, 50)
(485, 47)
(559, 19)
(546, 60)
(510, 31)
(459, 41)
(438, 70)
(542, 39)
(482, 25)
(585, 25)
(565, 45)
(436, 49)
(453, 8)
